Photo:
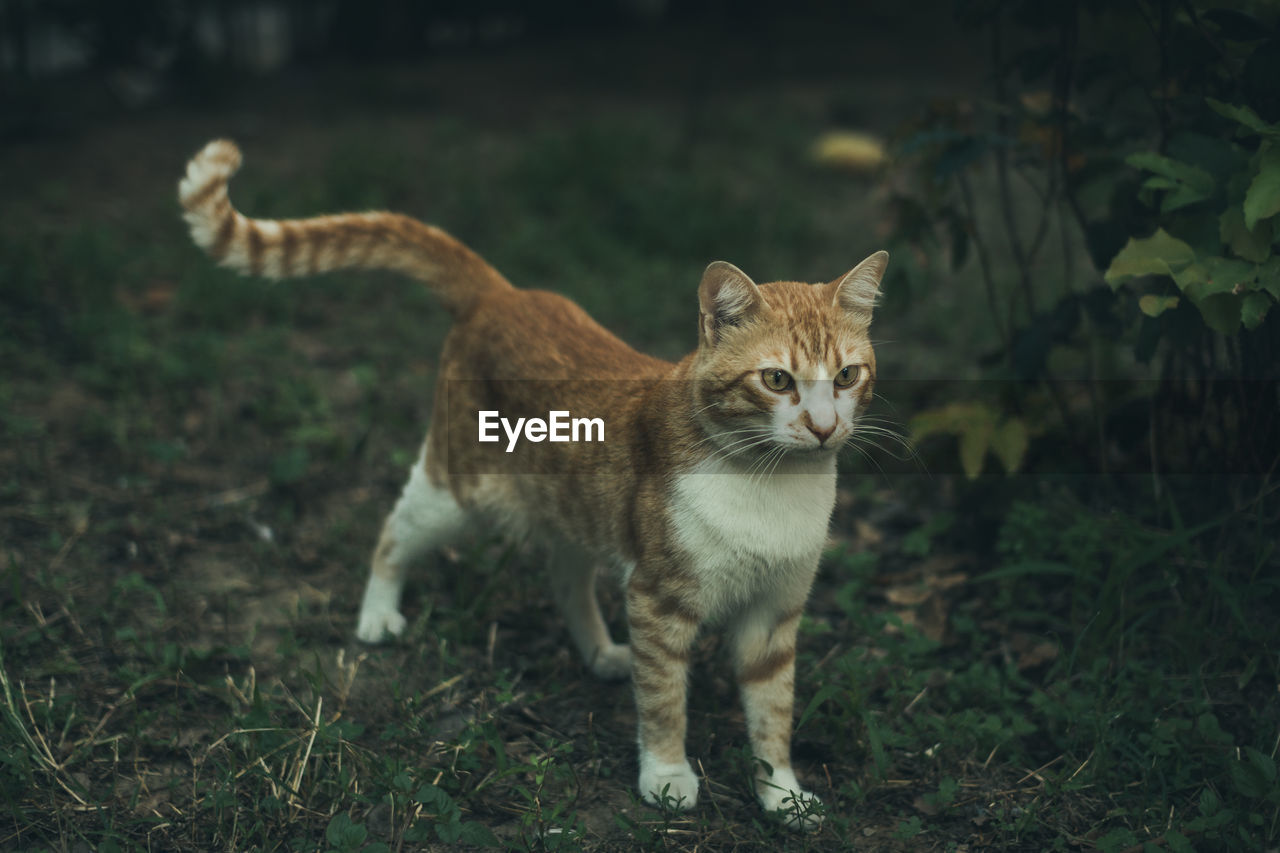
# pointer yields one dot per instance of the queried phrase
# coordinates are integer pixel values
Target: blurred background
(1047, 618)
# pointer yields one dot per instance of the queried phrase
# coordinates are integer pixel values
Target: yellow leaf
(1159, 254)
(849, 150)
(1153, 305)
(1009, 444)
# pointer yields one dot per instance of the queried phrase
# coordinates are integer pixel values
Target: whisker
(860, 443)
(873, 429)
(746, 436)
(765, 466)
(752, 434)
(885, 400)
(730, 451)
(867, 456)
(907, 451)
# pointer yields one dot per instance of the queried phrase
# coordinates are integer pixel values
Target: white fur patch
(425, 517)
(380, 611)
(215, 163)
(748, 535)
(664, 782)
(782, 792)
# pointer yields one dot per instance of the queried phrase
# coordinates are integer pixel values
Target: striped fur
(297, 247)
(709, 500)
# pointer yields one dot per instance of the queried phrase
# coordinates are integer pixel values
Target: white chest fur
(752, 536)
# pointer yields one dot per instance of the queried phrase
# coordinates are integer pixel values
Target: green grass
(193, 468)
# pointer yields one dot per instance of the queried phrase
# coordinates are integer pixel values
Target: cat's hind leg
(425, 517)
(573, 583)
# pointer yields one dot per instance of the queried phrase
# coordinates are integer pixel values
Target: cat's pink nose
(823, 433)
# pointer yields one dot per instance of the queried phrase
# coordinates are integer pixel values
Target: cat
(709, 497)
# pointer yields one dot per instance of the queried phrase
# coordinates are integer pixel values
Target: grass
(193, 467)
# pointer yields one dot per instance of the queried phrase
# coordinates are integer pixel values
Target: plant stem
(984, 261)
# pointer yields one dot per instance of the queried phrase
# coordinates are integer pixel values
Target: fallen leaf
(908, 596)
(866, 533)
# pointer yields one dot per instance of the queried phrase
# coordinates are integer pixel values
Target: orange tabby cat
(708, 496)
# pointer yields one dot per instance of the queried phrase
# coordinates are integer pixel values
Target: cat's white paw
(380, 610)
(668, 785)
(611, 662)
(377, 623)
(782, 795)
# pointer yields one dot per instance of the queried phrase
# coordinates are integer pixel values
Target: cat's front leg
(765, 658)
(662, 633)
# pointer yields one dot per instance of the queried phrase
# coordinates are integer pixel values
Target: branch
(984, 260)
(1002, 178)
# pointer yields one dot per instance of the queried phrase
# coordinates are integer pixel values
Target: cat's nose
(823, 433)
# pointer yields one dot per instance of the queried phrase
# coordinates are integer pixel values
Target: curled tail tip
(212, 166)
(220, 154)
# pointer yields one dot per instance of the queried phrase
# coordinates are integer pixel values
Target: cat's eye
(848, 375)
(776, 379)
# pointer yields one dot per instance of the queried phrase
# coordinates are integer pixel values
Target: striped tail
(278, 248)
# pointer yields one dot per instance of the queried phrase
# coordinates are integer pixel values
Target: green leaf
(345, 834)
(1252, 244)
(1221, 312)
(1210, 804)
(1009, 443)
(953, 418)
(1215, 275)
(975, 424)
(875, 740)
(974, 443)
(1181, 172)
(1254, 308)
(1153, 305)
(1269, 277)
(1159, 254)
(1255, 774)
(1116, 840)
(1182, 196)
(825, 692)
(1187, 184)
(1192, 276)
(1263, 197)
(1244, 115)
(449, 832)
(478, 834)
(290, 466)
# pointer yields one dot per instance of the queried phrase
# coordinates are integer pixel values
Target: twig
(301, 768)
(1002, 179)
(444, 685)
(984, 260)
(228, 496)
(1036, 772)
(1083, 764)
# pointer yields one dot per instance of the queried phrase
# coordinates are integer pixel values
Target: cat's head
(784, 365)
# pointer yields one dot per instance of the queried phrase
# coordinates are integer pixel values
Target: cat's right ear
(727, 297)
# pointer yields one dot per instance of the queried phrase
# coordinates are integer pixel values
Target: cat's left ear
(727, 297)
(857, 292)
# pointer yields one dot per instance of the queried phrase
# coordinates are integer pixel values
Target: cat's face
(785, 366)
